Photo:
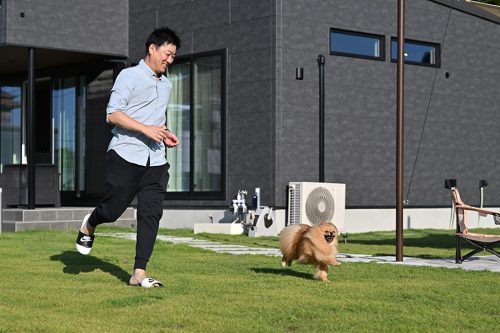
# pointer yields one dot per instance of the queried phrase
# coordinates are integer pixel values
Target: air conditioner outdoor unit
(312, 203)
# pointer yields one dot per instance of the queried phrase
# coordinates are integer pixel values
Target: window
(69, 94)
(418, 53)
(196, 114)
(10, 125)
(356, 44)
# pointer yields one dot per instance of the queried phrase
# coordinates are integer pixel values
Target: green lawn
(48, 287)
(424, 243)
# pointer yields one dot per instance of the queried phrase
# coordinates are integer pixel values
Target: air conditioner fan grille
(320, 205)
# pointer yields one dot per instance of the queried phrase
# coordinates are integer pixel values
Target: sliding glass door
(195, 114)
(70, 129)
(207, 124)
(178, 120)
(64, 124)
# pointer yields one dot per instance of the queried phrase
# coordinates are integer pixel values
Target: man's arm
(122, 120)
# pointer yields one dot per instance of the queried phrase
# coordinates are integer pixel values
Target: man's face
(161, 57)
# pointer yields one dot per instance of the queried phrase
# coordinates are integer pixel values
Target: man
(136, 162)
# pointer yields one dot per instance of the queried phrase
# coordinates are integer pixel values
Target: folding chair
(481, 242)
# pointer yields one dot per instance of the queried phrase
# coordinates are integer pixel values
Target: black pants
(124, 181)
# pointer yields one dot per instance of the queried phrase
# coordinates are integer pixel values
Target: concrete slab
(218, 228)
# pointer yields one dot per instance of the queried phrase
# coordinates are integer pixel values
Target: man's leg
(149, 211)
(122, 183)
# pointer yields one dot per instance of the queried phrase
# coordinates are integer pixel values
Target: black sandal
(84, 242)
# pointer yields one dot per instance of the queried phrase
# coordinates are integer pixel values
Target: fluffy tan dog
(315, 245)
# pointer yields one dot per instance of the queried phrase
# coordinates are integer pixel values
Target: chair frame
(481, 242)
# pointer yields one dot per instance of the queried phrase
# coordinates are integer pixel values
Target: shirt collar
(149, 71)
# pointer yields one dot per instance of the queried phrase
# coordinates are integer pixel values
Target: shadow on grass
(440, 241)
(420, 256)
(282, 271)
(76, 263)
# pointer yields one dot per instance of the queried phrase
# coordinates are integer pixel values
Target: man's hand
(170, 140)
(161, 133)
(156, 133)
(122, 120)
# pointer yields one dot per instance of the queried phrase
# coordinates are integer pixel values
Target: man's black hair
(161, 36)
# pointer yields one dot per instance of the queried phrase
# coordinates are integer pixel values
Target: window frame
(381, 39)
(436, 46)
(208, 195)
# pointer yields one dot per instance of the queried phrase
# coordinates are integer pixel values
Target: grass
(422, 243)
(48, 287)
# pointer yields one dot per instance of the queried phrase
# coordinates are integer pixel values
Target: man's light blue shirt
(142, 96)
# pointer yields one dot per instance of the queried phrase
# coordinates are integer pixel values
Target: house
(246, 99)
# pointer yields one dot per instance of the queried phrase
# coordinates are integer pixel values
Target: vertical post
(30, 128)
(321, 64)
(458, 250)
(400, 132)
(1, 210)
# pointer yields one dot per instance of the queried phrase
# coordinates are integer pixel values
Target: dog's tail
(290, 239)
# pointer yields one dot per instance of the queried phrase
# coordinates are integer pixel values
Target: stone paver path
(478, 263)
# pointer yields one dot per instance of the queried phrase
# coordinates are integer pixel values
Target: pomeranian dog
(316, 245)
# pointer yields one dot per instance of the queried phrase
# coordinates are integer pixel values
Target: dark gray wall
(272, 119)
(99, 26)
(246, 29)
(459, 139)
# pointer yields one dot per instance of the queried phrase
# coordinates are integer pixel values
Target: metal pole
(321, 64)
(1, 210)
(458, 249)
(30, 128)
(400, 132)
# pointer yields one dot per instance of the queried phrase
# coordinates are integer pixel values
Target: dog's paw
(286, 263)
(321, 276)
(333, 262)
